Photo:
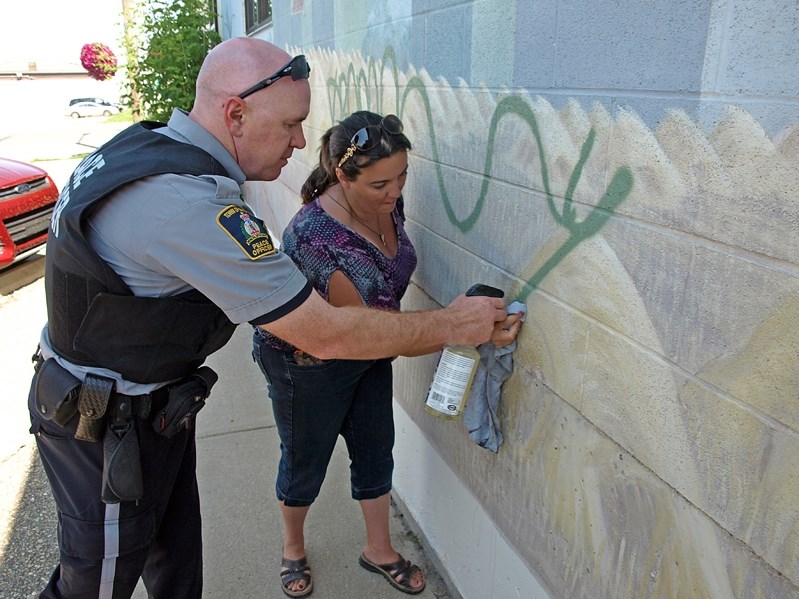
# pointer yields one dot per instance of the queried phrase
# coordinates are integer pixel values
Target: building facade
(629, 170)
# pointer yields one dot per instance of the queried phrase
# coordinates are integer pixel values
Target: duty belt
(139, 406)
(98, 403)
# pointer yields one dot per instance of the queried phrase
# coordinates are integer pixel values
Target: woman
(348, 239)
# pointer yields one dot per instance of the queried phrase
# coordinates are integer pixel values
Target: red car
(27, 198)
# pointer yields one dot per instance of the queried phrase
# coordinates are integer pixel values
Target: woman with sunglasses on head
(349, 241)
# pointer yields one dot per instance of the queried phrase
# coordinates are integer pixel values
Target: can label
(448, 389)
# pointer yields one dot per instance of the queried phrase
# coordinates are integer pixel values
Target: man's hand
(471, 319)
(358, 333)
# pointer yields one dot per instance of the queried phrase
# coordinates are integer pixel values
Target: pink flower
(98, 60)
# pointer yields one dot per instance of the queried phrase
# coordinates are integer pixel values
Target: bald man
(153, 258)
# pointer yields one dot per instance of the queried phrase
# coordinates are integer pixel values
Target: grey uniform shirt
(164, 235)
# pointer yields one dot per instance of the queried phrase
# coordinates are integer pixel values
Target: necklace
(379, 232)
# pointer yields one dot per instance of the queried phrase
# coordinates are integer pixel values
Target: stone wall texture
(631, 172)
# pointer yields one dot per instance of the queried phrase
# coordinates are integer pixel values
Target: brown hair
(334, 144)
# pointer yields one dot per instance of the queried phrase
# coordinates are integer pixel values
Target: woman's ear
(342, 178)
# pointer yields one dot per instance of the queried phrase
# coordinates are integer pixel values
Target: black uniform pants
(106, 548)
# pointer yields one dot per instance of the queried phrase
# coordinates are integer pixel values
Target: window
(258, 12)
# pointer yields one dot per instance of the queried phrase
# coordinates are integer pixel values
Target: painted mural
(652, 421)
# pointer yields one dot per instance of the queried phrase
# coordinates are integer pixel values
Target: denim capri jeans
(314, 404)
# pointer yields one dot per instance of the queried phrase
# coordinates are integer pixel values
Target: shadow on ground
(32, 550)
(22, 273)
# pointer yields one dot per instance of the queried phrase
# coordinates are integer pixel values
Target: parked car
(27, 199)
(91, 108)
(102, 101)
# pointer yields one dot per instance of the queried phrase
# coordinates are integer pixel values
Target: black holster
(122, 475)
(186, 398)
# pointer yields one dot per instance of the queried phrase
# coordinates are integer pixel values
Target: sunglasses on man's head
(369, 137)
(297, 67)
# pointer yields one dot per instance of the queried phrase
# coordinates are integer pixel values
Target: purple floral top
(320, 245)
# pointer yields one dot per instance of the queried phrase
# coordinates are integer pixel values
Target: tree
(166, 42)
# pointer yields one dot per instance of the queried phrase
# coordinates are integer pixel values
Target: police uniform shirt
(169, 233)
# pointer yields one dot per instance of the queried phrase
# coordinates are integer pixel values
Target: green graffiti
(369, 85)
(367, 82)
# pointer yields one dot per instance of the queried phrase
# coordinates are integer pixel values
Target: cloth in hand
(481, 416)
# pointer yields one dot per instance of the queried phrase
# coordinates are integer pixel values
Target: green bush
(166, 42)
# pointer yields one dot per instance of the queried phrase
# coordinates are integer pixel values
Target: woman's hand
(505, 331)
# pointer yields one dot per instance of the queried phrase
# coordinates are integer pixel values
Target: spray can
(452, 381)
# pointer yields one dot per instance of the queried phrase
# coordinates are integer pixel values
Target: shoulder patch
(247, 231)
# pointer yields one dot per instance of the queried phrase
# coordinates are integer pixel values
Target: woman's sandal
(296, 569)
(401, 568)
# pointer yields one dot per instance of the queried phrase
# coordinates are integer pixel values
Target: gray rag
(481, 416)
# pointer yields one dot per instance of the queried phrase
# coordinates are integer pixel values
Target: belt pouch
(92, 405)
(56, 392)
(122, 477)
(186, 398)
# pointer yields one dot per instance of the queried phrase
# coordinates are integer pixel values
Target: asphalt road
(34, 129)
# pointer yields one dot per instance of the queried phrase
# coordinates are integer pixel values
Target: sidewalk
(238, 451)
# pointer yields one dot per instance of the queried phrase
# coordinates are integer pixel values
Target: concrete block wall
(630, 171)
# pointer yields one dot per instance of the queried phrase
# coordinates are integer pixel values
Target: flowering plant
(99, 60)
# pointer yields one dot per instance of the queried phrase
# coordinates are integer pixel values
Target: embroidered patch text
(247, 230)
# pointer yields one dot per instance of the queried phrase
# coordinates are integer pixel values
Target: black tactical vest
(93, 317)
